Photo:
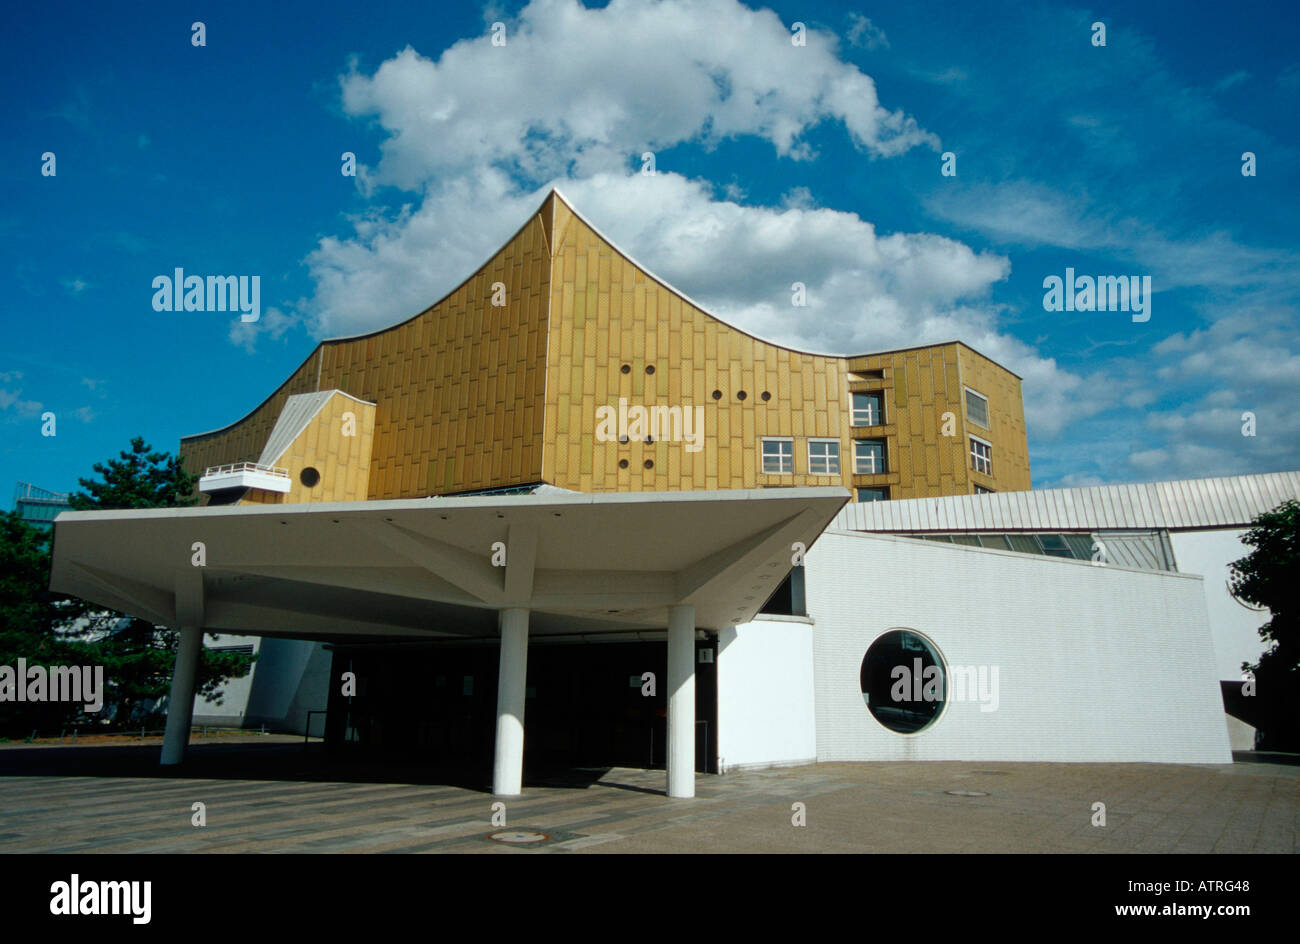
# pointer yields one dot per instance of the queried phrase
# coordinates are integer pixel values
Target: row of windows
(869, 454)
(869, 409)
(868, 457)
(1078, 546)
(824, 456)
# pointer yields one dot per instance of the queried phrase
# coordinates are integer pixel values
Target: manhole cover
(966, 793)
(518, 837)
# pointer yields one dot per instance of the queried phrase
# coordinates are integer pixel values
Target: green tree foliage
(1270, 576)
(28, 621)
(141, 478)
(137, 656)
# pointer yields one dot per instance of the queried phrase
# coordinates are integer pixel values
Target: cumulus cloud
(1245, 362)
(577, 91)
(475, 137)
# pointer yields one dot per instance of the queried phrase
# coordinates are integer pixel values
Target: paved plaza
(273, 795)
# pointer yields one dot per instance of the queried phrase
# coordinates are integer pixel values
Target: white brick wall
(1095, 663)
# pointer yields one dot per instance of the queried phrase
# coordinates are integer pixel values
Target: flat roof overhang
(423, 568)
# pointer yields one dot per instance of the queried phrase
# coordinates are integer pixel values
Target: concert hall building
(567, 515)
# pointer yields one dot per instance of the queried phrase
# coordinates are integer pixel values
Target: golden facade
(503, 383)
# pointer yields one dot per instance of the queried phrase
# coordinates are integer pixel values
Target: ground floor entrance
(588, 703)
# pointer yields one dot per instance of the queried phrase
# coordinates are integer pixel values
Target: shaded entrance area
(504, 584)
(588, 704)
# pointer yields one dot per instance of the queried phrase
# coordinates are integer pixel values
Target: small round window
(903, 681)
(309, 477)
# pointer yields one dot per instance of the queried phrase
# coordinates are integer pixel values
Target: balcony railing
(218, 478)
(245, 467)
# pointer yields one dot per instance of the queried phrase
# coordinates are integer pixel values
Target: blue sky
(775, 163)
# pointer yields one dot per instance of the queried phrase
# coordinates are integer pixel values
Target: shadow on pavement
(272, 762)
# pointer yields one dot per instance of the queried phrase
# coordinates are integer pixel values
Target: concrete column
(180, 704)
(508, 767)
(681, 701)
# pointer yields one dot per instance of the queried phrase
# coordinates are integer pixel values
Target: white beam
(189, 596)
(471, 572)
(521, 561)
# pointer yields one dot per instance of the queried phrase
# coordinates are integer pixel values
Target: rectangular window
(981, 456)
(873, 494)
(869, 456)
(868, 409)
(981, 490)
(977, 408)
(778, 456)
(824, 456)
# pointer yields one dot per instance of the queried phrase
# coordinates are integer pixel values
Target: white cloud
(1228, 81)
(478, 135)
(577, 91)
(272, 324)
(864, 33)
(1034, 216)
(12, 400)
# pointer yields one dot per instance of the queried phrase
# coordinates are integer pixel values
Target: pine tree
(138, 656)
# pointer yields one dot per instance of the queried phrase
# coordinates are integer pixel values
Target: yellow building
(562, 361)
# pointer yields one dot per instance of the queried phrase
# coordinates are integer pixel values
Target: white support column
(508, 767)
(180, 704)
(681, 701)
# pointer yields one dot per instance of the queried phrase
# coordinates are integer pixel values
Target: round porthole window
(903, 681)
(309, 477)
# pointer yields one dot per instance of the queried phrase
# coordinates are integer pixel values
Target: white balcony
(245, 475)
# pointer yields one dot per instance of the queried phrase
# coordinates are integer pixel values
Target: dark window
(868, 409)
(309, 477)
(977, 408)
(902, 681)
(788, 598)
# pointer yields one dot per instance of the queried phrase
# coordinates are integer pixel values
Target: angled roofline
(749, 334)
(320, 345)
(309, 393)
(921, 347)
(555, 191)
(1201, 504)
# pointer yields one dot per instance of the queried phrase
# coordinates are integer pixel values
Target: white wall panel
(1094, 663)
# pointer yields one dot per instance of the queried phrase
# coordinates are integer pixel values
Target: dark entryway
(585, 705)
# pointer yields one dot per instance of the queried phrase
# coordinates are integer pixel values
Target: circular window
(717, 394)
(309, 477)
(626, 368)
(650, 369)
(622, 463)
(741, 395)
(766, 396)
(649, 463)
(903, 681)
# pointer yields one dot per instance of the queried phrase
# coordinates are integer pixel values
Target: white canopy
(424, 568)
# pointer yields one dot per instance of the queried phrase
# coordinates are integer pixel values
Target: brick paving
(273, 797)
